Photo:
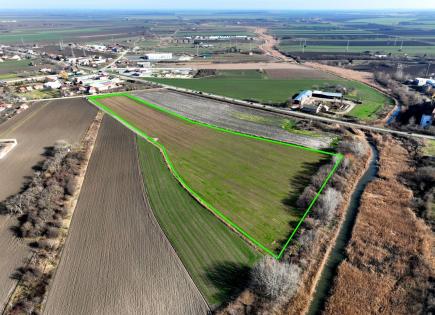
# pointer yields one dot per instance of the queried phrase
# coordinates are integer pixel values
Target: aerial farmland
(34, 130)
(255, 159)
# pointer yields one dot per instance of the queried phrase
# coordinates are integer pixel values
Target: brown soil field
(116, 259)
(238, 66)
(39, 127)
(364, 77)
(390, 264)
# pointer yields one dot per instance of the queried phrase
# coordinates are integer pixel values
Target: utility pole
(428, 67)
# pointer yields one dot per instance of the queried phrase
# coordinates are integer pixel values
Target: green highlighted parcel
(250, 183)
(209, 250)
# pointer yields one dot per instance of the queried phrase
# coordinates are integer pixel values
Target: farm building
(158, 56)
(52, 85)
(327, 95)
(306, 96)
(302, 97)
(426, 121)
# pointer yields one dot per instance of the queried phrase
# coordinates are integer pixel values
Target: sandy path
(41, 126)
(268, 46)
(116, 259)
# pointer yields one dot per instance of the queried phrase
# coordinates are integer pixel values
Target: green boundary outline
(94, 100)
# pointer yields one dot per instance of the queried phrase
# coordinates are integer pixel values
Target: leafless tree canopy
(272, 279)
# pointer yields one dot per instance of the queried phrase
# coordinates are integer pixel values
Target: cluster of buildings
(69, 84)
(218, 38)
(181, 73)
(319, 101)
(99, 83)
(422, 82)
(8, 110)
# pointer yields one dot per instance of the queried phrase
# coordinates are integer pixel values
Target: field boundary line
(146, 199)
(216, 212)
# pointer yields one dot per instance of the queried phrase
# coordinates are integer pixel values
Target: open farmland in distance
(245, 85)
(380, 33)
(116, 259)
(252, 183)
(35, 129)
(213, 255)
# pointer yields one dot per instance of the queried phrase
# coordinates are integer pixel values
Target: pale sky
(219, 4)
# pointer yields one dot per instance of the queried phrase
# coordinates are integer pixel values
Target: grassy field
(44, 35)
(40, 94)
(253, 183)
(203, 243)
(252, 85)
(13, 65)
(429, 148)
(411, 50)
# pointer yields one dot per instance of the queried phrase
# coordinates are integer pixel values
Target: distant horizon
(223, 5)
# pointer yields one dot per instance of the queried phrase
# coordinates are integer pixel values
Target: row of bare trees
(406, 96)
(273, 279)
(40, 208)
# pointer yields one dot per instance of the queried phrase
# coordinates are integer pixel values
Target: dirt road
(39, 127)
(116, 259)
(268, 46)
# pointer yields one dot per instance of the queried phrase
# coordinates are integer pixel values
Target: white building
(53, 85)
(158, 56)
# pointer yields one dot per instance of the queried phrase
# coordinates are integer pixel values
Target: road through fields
(38, 127)
(116, 259)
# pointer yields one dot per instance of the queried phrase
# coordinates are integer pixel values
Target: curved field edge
(213, 254)
(197, 196)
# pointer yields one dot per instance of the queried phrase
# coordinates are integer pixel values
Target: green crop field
(250, 182)
(208, 249)
(252, 85)
(45, 35)
(410, 50)
(12, 65)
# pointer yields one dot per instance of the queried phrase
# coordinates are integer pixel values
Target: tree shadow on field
(230, 278)
(300, 181)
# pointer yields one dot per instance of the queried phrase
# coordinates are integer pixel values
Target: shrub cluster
(40, 206)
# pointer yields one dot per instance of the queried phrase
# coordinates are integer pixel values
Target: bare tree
(272, 279)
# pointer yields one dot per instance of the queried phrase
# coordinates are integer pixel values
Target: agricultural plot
(215, 257)
(250, 184)
(116, 259)
(35, 129)
(279, 91)
(243, 119)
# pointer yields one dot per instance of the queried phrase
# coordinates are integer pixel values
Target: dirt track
(268, 47)
(116, 259)
(40, 126)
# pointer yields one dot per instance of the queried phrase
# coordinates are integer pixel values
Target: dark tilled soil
(39, 127)
(116, 259)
